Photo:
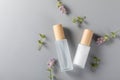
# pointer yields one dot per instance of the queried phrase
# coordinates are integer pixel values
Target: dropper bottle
(83, 49)
(62, 48)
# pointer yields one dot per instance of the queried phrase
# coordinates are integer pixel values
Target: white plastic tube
(81, 55)
(83, 49)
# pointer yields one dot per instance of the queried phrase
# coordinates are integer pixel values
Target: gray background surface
(22, 20)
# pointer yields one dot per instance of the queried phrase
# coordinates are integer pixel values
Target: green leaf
(48, 69)
(113, 35)
(95, 62)
(74, 20)
(95, 58)
(106, 37)
(59, 4)
(79, 18)
(50, 77)
(42, 36)
(40, 42)
(96, 65)
(93, 65)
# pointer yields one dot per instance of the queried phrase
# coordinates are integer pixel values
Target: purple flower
(63, 9)
(100, 40)
(51, 62)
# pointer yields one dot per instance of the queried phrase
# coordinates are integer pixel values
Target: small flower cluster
(51, 64)
(95, 63)
(79, 19)
(102, 39)
(41, 41)
(61, 7)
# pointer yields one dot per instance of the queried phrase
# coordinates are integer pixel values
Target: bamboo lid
(58, 32)
(87, 37)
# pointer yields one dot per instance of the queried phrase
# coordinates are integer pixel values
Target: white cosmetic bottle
(83, 49)
(62, 48)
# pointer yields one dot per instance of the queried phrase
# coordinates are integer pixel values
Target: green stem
(40, 45)
(51, 74)
(42, 39)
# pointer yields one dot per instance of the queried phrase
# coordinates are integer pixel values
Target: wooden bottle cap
(87, 37)
(58, 32)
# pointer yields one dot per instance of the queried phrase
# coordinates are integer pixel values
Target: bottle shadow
(94, 51)
(82, 25)
(76, 72)
(71, 42)
(67, 9)
(80, 73)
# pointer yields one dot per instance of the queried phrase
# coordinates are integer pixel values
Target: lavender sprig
(41, 41)
(79, 19)
(102, 39)
(61, 7)
(95, 63)
(51, 64)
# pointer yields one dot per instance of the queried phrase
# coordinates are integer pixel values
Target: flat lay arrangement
(59, 39)
(82, 52)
